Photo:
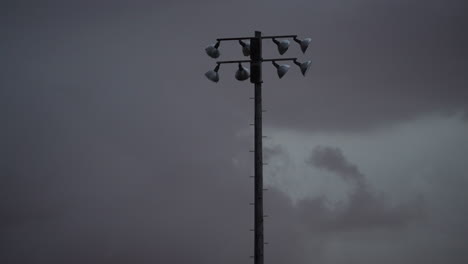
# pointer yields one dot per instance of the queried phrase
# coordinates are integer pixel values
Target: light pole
(254, 49)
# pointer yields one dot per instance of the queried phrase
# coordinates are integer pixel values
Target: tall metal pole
(256, 79)
(256, 61)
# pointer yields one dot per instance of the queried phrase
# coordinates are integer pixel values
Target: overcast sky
(115, 148)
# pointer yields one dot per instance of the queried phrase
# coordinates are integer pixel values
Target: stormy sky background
(115, 148)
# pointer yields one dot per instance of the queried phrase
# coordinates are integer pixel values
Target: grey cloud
(364, 209)
(332, 159)
(269, 152)
(276, 152)
(115, 149)
(376, 63)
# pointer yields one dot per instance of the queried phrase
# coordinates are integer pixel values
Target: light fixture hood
(213, 51)
(245, 48)
(242, 73)
(213, 75)
(281, 69)
(304, 66)
(304, 43)
(283, 45)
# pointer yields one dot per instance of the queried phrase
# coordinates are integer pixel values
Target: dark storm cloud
(364, 209)
(376, 63)
(110, 156)
(116, 150)
(269, 152)
(332, 159)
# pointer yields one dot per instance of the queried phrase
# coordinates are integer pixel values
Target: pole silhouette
(256, 78)
(256, 60)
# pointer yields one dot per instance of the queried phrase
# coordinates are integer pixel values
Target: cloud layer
(364, 207)
(115, 149)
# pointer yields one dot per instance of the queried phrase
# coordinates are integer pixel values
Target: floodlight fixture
(213, 51)
(245, 48)
(283, 45)
(304, 66)
(213, 75)
(304, 43)
(242, 73)
(281, 69)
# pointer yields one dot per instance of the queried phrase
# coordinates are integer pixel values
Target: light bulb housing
(245, 48)
(242, 73)
(213, 75)
(213, 51)
(281, 69)
(283, 45)
(304, 43)
(304, 66)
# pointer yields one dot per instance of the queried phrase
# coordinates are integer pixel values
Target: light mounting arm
(248, 61)
(264, 37)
